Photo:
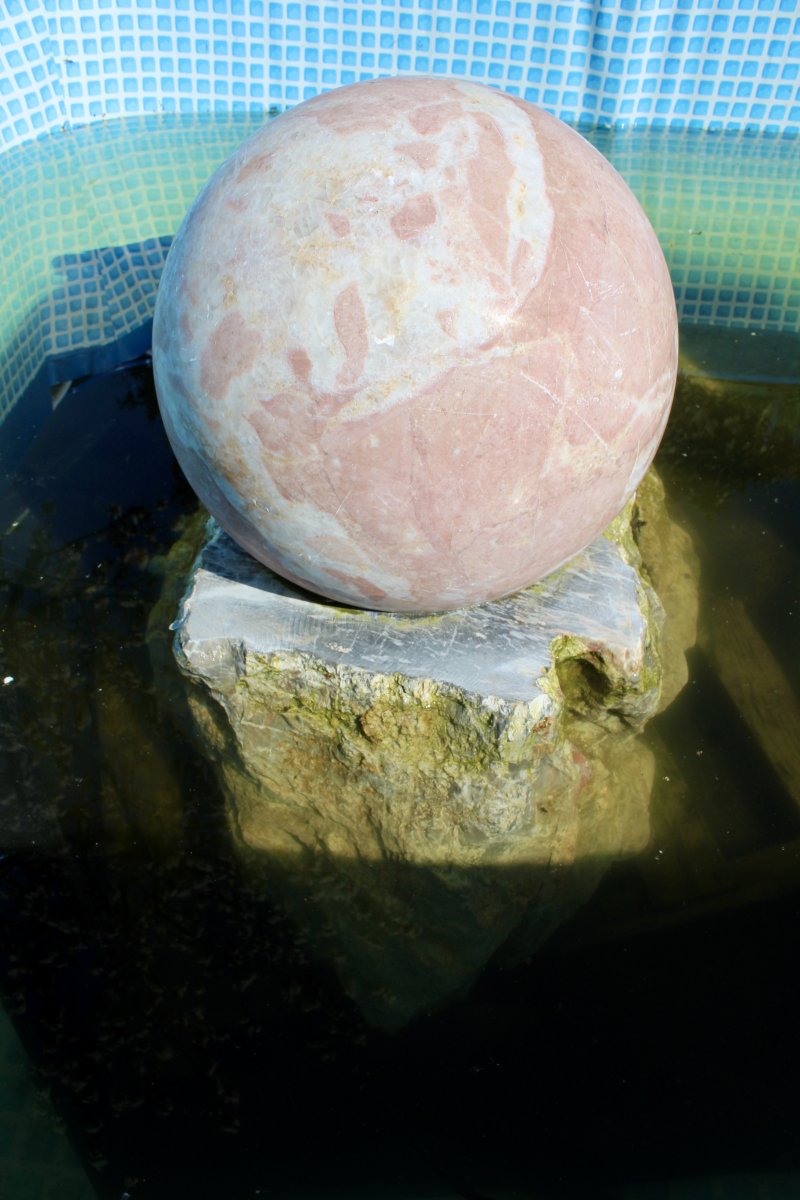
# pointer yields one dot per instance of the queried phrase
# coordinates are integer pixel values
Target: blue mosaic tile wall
(714, 64)
(86, 219)
(727, 213)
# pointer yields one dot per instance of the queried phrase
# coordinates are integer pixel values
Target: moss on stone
(429, 726)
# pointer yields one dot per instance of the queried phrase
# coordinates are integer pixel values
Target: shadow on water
(189, 1039)
(193, 1048)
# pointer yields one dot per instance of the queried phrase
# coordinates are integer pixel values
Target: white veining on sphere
(414, 344)
(402, 283)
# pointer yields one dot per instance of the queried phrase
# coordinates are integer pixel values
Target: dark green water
(181, 1030)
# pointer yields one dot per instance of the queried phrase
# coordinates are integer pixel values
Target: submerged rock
(417, 789)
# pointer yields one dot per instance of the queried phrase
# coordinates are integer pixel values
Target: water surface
(175, 1022)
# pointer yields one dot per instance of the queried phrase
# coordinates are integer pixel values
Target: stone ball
(415, 344)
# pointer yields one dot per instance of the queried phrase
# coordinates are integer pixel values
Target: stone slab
(502, 649)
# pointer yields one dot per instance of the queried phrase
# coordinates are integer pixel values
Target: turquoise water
(182, 1037)
(86, 217)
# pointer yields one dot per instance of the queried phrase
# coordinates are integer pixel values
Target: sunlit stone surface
(420, 790)
(415, 344)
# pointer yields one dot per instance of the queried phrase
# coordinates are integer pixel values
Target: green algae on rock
(417, 789)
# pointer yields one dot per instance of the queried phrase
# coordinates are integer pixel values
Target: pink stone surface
(415, 344)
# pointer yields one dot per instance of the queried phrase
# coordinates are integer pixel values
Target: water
(180, 1036)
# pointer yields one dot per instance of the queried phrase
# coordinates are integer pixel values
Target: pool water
(181, 1036)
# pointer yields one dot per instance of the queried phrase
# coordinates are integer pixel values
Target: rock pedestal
(418, 788)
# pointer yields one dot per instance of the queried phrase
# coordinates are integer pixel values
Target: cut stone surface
(415, 344)
(417, 788)
(502, 649)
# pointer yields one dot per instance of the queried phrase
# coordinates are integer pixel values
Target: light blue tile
(106, 40)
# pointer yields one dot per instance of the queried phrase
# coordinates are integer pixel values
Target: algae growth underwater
(175, 1017)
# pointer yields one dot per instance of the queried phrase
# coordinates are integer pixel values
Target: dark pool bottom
(189, 1042)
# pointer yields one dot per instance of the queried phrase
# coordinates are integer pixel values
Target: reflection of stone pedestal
(419, 788)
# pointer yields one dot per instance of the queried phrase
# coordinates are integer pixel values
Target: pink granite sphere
(415, 344)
